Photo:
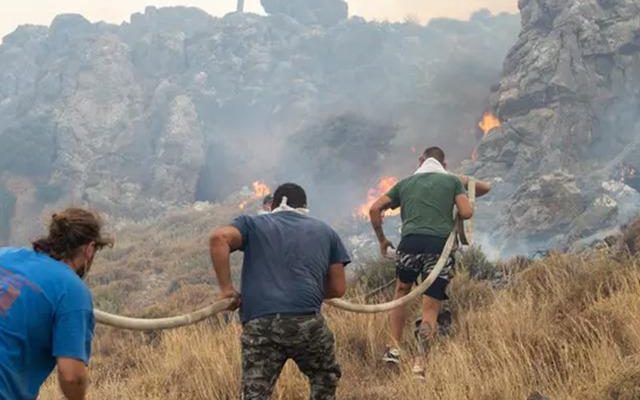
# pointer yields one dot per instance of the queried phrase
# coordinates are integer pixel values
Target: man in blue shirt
(292, 262)
(46, 311)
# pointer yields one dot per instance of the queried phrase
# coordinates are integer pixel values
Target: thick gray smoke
(178, 106)
(332, 158)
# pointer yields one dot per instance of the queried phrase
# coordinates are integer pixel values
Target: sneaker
(391, 355)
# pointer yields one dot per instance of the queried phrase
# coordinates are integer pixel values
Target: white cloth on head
(431, 165)
(285, 207)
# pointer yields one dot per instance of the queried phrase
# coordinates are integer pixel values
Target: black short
(411, 266)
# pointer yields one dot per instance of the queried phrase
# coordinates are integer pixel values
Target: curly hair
(68, 231)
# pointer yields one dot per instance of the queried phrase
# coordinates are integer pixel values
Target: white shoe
(391, 356)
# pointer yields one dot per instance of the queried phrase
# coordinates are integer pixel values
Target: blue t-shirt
(286, 260)
(46, 312)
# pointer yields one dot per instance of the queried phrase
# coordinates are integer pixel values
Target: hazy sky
(16, 12)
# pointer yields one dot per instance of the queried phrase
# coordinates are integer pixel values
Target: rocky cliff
(177, 106)
(567, 154)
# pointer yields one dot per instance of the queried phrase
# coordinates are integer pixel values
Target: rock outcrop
(178, 106)
(568, 149)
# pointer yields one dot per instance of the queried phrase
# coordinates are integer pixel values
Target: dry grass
(160, 263)
(567, 327)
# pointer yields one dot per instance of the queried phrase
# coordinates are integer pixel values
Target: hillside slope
(566, 326)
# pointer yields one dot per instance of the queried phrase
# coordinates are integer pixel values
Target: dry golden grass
(157, 264)
(567, 327)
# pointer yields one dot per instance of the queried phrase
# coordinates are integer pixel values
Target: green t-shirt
(427, 202)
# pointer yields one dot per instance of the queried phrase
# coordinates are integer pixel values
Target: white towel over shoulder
(431, 165)
(285, 207)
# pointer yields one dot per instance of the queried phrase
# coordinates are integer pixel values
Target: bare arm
(73, 378)
(375, 214)
(336, 284)
(482, 187)
(222, 242)
(465, 210)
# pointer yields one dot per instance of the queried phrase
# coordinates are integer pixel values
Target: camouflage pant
(267, 343)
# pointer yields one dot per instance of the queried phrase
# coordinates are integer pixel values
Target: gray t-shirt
(286, 260)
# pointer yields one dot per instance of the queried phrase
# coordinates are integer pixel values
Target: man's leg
(428, 330)
(432, 299)
(408, 267)
(262, 360)
(429, 327)
(398, 316)
(316, 358)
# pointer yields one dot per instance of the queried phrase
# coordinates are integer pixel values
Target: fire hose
(143, 324)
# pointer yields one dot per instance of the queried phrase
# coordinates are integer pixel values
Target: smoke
(398, 10)
(367, 99)
(334, 156)
(333, 106)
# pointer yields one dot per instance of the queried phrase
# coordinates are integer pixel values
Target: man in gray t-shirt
(292, 262)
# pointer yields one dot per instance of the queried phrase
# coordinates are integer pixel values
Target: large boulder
(568, 101)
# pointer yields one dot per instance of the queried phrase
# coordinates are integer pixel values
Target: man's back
(42, 304)
(286, 259)
(427, 202)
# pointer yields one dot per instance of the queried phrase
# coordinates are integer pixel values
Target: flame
(260, 190)
(489, 122)
(486, 124)
(384, 185)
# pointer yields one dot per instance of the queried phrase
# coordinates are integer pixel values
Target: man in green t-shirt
(427, 201)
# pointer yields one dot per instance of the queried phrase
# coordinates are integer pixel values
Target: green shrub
(475, 262)
(375, 274)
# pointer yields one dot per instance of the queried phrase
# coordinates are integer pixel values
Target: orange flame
(384, 185)
(488, 123)
(260, 190)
